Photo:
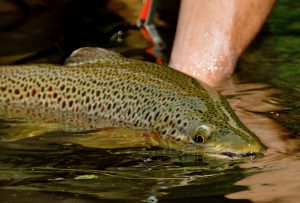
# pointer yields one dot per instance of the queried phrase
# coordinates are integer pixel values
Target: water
(264, 93)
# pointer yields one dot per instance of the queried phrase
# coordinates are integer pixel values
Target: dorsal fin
(86, 55)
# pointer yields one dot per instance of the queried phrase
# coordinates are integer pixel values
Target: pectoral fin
(18, 131)
(112, 138)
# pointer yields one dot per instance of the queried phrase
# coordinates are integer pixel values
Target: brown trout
(185, 114)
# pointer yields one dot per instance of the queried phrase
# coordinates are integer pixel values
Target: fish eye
(201, 134)
(199, 138)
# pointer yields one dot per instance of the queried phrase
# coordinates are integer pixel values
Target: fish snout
(238, 144)
(251, 149)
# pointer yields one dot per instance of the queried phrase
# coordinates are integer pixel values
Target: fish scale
(99, 83)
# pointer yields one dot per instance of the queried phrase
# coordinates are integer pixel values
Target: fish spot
(33, 92)
(63, 104)
(71, 103)
(118, 110)
(133, 115)
(62, 87)
(17, 91)
(147, 114)
(73, 89)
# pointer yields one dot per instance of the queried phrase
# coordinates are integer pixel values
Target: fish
(110, 90)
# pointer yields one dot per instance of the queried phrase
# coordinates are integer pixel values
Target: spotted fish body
(96, 82)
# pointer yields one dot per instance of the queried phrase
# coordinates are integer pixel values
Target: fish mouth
(230, 154)
(237, 155)
(250, 152)
(223, 154)
(250, 155)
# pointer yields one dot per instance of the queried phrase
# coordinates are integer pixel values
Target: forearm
(211, 35)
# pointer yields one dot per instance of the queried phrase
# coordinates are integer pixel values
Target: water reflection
(280, 183)
(281, 165)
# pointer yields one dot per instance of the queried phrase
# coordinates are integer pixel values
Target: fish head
(221, 133)
(213, 129)
(223, 139)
